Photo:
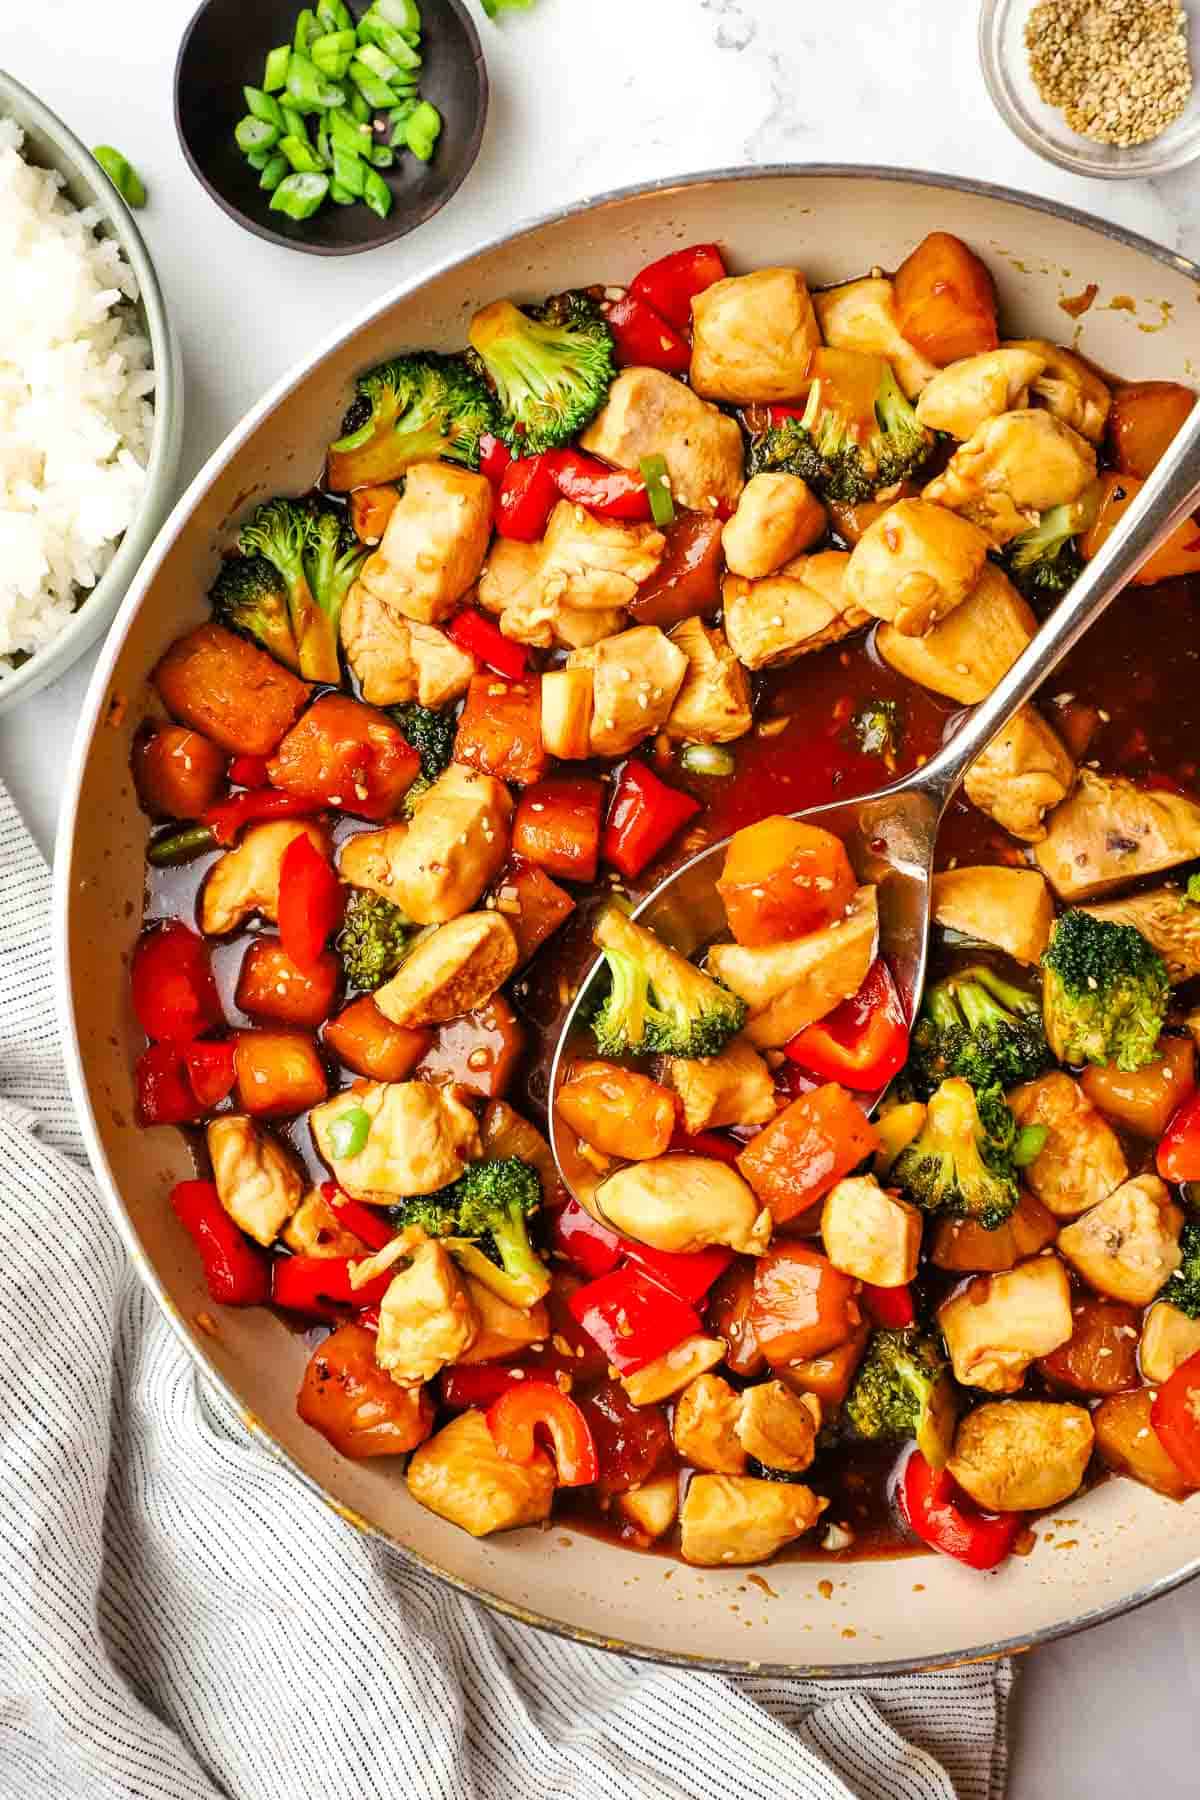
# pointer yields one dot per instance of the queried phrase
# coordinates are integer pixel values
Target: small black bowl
(225, 47)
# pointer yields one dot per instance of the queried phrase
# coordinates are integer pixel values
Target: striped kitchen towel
(180, 1619)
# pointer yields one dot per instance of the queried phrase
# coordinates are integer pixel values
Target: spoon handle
(1169, 495)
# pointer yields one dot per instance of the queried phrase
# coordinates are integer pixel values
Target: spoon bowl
(891, 835)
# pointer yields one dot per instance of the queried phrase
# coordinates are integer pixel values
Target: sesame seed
(1119, 70)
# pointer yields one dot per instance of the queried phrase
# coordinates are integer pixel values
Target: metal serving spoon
(890, 835)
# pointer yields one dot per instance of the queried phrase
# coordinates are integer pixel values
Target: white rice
(75, 414)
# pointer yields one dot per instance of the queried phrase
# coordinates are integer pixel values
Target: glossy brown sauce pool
(1130, 688)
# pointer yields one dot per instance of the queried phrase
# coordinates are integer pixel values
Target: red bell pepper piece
(1178, 1156)
(526, 497)
(482, 1384)
(863, 1042)
(707, 1143)
(311, 902)
(942, 1515)
(609, 493)
(686, 1275)
(480, 638)
(164, 1093)
(670, 284)
(591, 1246)
(226, 819)
(643, 338)
(779, 414)
(366, 1222)
(173, 991)
(644, 817)
(248, 771)
(632, 1318)
(210, 1069)
(522, 1411)
(368, 1318)
(316, 1284)
(494, 457)
(890, 1307)
(236, 1271)
(1175, 1417)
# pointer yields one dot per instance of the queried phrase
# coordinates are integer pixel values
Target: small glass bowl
(1005, 63)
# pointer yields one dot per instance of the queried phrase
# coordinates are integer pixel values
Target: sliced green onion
(254, 134)
(258, 159)
(323, 147)
(276, 68)
(274, 170)
(375, 92)
(347, 135)
(264, 106)
(295, 124)
(349, 1132)
(341, 196)
(405, 15)
(377, 62)
(1028, 1145)
(122, 174)
(308, 88)
(348, 172)
(301, 155)
(376, 192)
(377, 34)
(381, 157)
(422, 130)
(359, 107)
(707, 759)
(300, 195)
(306, 29)
(182, 845)
(398, 118)
(658, 489)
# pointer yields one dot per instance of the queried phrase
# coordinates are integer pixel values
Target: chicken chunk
(1067, 387)
(753, 337)
(683, 1202)
(652, 1507)
(246, 879)
(504, 1329)
(584, 565)
(1128, 1246)
(1010, 908)
(670, 1373)
(713, 704)
(426, 1318)
(1169, 1337)
(455, 969)
(259, 1182)
(777, 1427)
(1023, 774)
(396, 659)
(965, 654)
(738, 1519)
(705, 1426)
(1012, 469)
(434, 544)
(861, 315)
(803, 607)
(635, 679)
(649, 413)
(777, 517)
(963, 396)
(1165, 920)
(460, 1474)
(1109, 832)
(1022, 1455)
(915, 564)
(791, 984)
(997, 1325)
(734, 1088)
(314, 1229)
(437, 867)
(870, 1234)
(419, 1138)
(1081, 1162)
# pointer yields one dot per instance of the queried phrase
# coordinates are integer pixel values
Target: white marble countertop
(586, 98)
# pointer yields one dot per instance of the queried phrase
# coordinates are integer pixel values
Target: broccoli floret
(316, 557)
(373, 940)
(249, 596)
(1183, 1289)
(979, 1026)
(833, 452)
(411, 409)
(878, 729)
(334, 559)
(429, 733)
(1046, 559)
(962, 1160)
(902, 1390)
(658, 1001)
(551, 372)
(484, 1218)
(1191, 893)
(1104, 993)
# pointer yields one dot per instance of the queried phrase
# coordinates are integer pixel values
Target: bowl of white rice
(90, 414)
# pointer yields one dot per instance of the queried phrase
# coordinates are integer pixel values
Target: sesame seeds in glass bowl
(1150, 86)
